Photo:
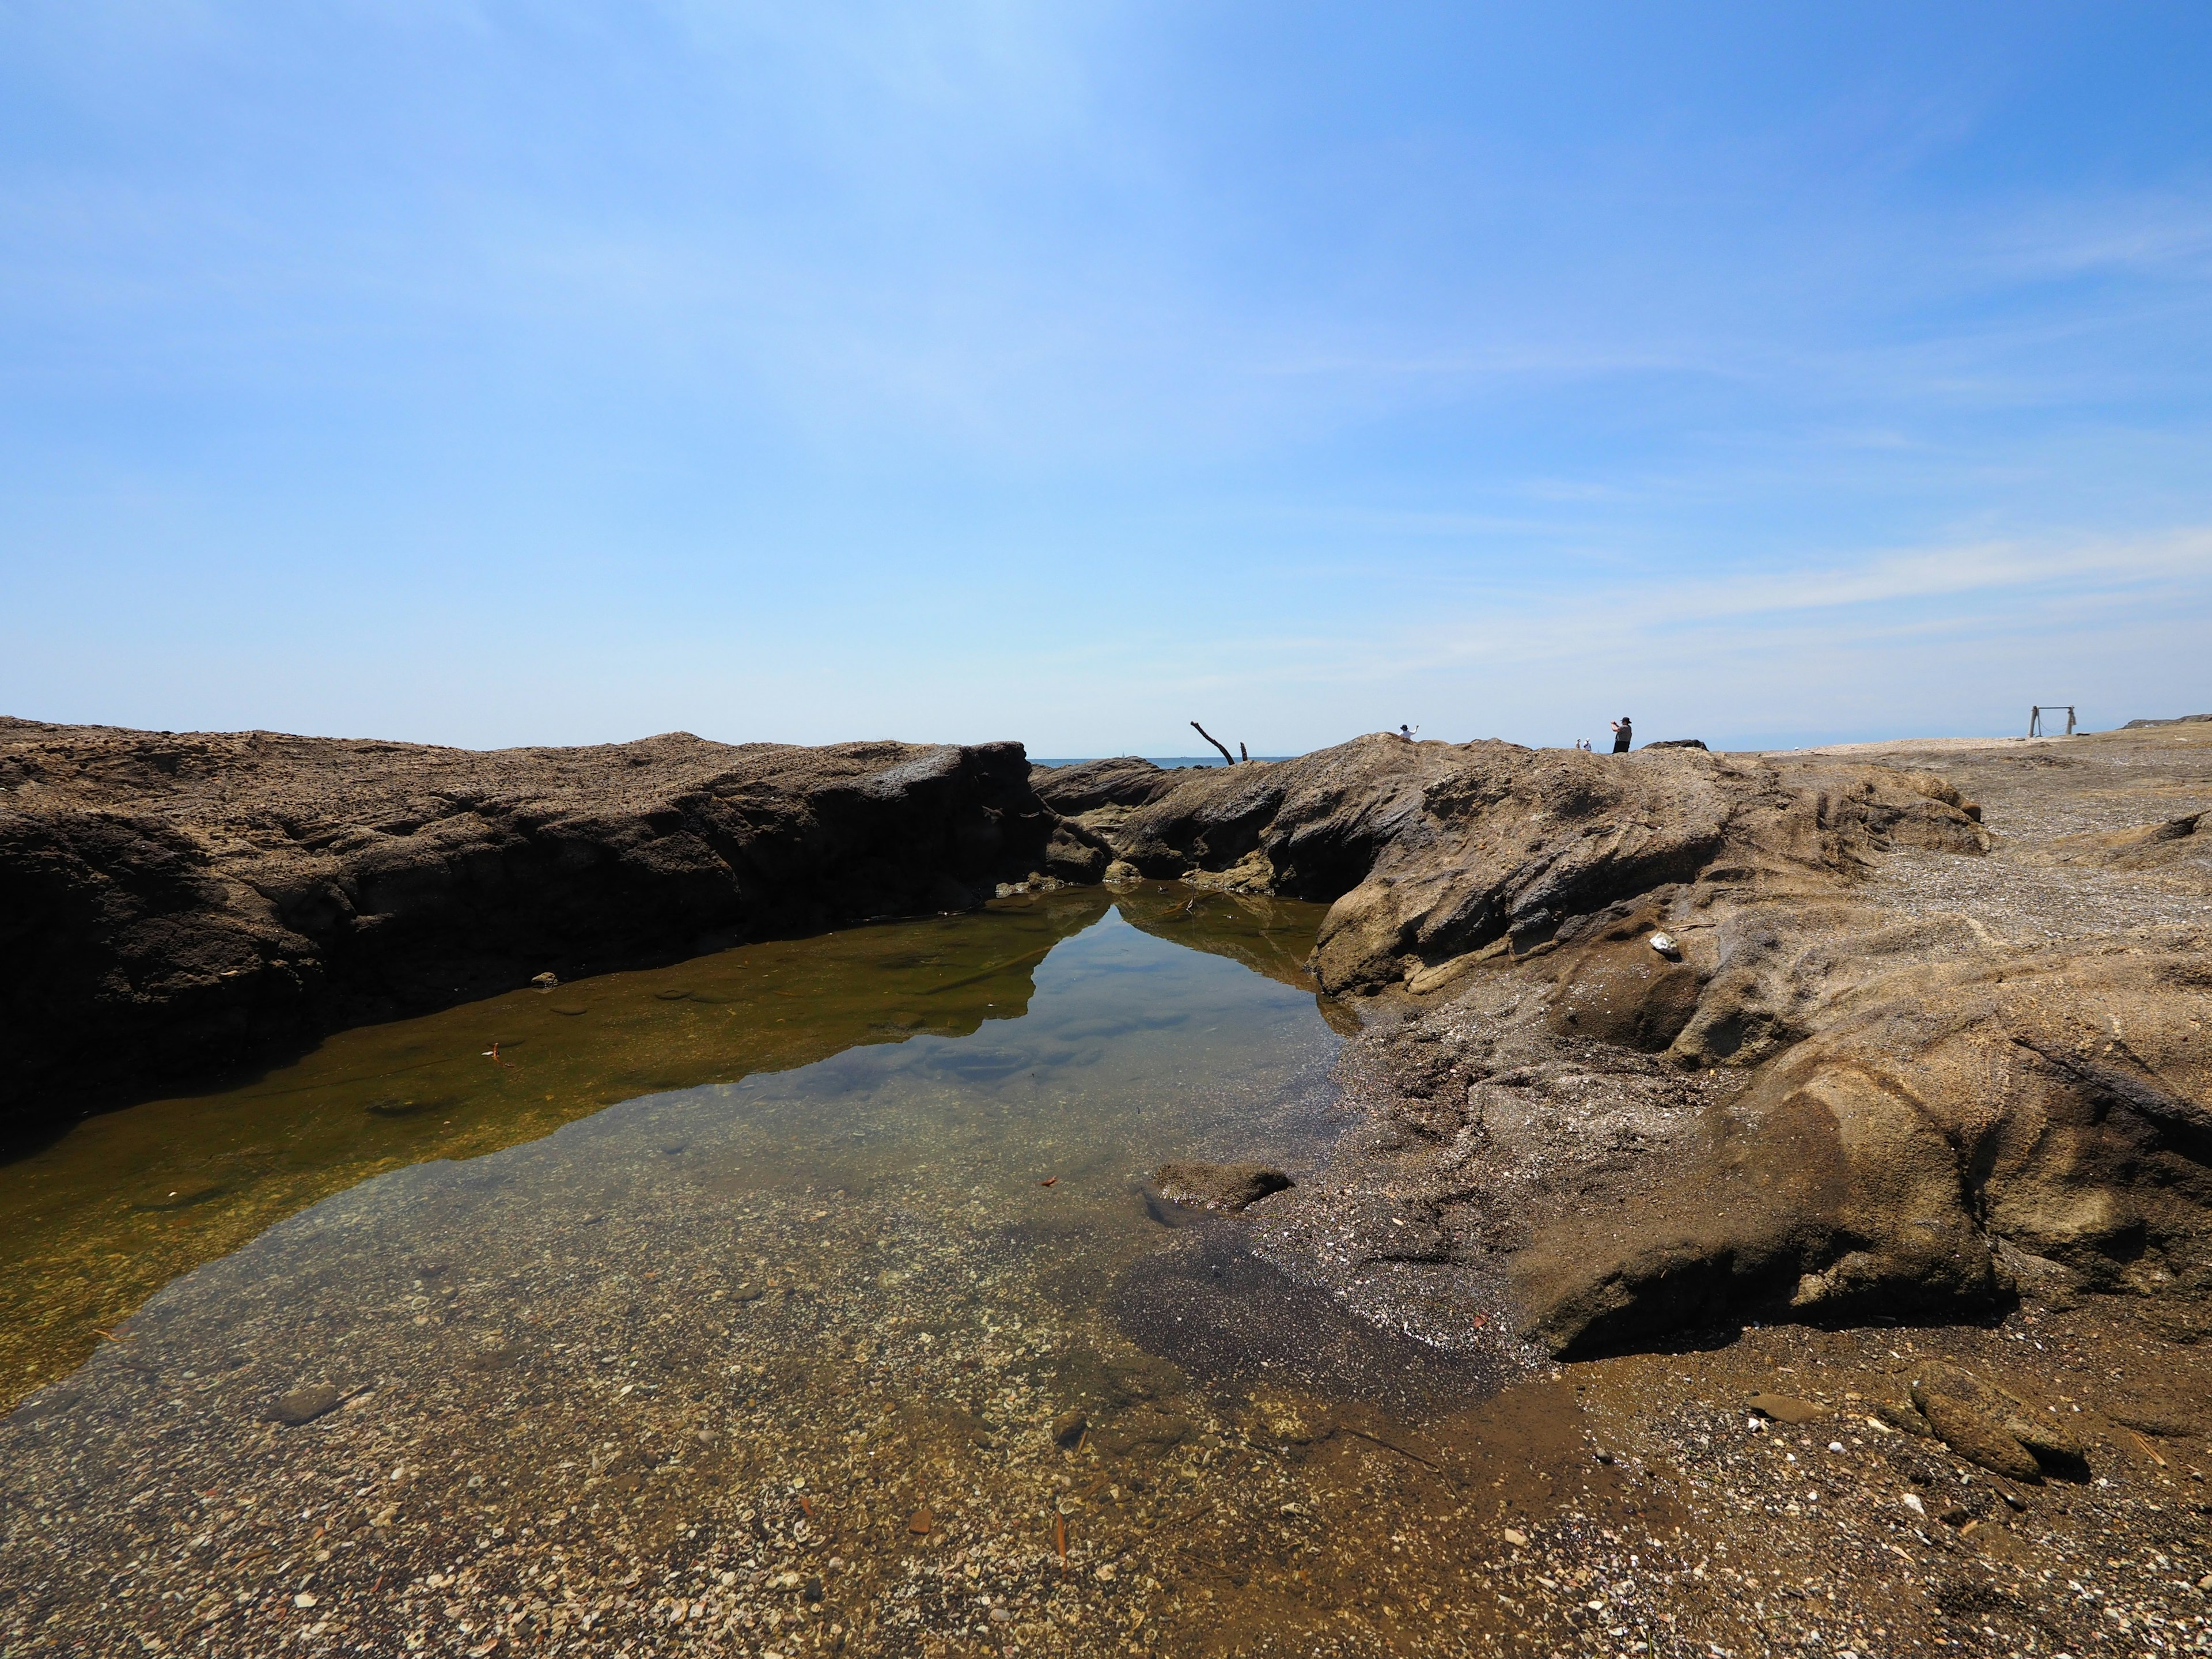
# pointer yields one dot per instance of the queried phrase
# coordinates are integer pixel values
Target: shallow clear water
(129, 1200)
(876, 1338)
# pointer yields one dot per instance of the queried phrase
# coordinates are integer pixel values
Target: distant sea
(1156, 760)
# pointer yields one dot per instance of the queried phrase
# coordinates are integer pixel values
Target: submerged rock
(1219, 1186)
(305, 1405)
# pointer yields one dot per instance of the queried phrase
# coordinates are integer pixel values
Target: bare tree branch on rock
(1227, 759)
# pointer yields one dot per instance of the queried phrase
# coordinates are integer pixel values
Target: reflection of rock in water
(1220, 1313)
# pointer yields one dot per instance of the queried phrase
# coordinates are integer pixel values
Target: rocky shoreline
(1811, 1150)
(1650, 1043)
(1662, 1044)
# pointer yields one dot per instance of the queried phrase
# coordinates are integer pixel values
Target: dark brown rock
(1787, 1408)
(1125, 780)
(1903, 1416)
(1969, 1416)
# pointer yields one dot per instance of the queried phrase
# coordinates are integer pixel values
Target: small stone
(920, 1522)
(813, 1590)
(546, 981)
(303, 1405)
(304, 1599)
(1787, 1408)
(1965, 1413)
(1912, 1501)
(1515, 1537)
(1067, 1430)
(1230, 1187)
(1904, 1418)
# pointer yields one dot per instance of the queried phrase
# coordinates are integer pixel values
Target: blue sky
(491, 374)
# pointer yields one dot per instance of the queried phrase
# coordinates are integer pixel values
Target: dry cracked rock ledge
(172, 904)
(1663, 1042)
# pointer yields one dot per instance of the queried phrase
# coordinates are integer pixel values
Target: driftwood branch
(1243, 753)
(1227, 759)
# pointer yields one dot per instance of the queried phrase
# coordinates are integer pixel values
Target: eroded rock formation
(1825, 1098)
(1432, 851)
(1654, 1041)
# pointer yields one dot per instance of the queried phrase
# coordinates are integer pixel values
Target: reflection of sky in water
(1132, 1051)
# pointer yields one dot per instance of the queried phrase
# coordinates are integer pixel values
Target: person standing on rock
(1621, 733)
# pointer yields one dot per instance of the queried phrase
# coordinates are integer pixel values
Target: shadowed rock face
(171, 904)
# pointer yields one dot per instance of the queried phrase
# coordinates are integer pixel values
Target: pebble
(303, 1405)
(1787, 1408)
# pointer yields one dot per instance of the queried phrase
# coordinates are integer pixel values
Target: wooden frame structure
(2035, 719)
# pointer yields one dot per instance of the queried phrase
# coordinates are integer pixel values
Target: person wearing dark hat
(1621, 734)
